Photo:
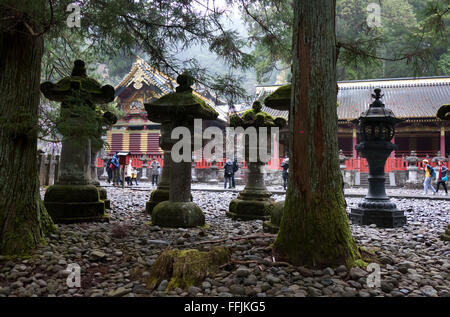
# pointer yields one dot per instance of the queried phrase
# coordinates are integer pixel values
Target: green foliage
(412, 38)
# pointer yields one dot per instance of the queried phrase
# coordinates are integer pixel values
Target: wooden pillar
(442, 141)
(354, 143)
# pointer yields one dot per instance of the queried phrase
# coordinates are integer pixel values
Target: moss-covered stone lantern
(254, 201)
(178, 109)
(280, 99)
(74, 198)
(377, 130)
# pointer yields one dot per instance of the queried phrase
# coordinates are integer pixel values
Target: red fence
(360, 164)
(392, 164)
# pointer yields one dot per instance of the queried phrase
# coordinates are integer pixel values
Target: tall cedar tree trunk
(314, 230)
(23, 218)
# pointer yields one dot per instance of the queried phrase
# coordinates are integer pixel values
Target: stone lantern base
(276, 213)
(251, 204)
(383, 213)
(177, 215)
(75, 203)
(104, 197)
(156, 196)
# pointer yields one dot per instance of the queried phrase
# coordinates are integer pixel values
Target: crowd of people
(131, 173)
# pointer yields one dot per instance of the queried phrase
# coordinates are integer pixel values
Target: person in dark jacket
(235, 169)
(109, 170)
(285, 167)
(228, 167)
(442, 177)
(116, 169)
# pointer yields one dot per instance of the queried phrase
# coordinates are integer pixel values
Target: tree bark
(23, 218)
(314, 230)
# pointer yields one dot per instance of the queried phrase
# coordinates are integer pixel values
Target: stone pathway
(116, 257)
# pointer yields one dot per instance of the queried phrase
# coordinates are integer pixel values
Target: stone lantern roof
(181, 105)
(280, 99)
(256, 118)
(78, 82)
(377, 111)
(444, 112)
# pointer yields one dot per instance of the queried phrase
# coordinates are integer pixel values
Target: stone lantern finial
(257, 106)
(79, 69)
(185, 82)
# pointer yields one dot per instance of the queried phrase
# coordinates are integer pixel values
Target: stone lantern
(144, 160)
(412, 168)
(178, 109)
(280, 99)
(74, 197)
(254, 201)
(377, 130)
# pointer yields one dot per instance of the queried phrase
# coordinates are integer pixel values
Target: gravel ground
(414, 261)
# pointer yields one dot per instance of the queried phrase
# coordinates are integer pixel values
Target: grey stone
(163, 285)
(121, 291)
(242, 271)
(237, 290)
(193, 290)
(98, 254)
(356, 273)
(428, 291)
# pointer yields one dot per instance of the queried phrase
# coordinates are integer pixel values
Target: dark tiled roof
(407, 98)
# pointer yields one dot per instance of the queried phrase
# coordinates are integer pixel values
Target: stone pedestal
(144, 172)
(213, 174)
(161, 193)
(273, 225)
(238, 177)
(376, 207)
(179, 210)
(104, 175)
(254, 201)
(74, 198)
(413, 181)
(194, 178)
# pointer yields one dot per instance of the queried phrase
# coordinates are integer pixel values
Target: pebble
(413, 258)
(121, 291)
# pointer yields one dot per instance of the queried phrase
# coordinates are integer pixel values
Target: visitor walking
(285, 167)
(429, 174)
(109, 170)
(442, 177)
(228, 173)
(154, 171)
(134, 173)
(235, 169)
(128, 174)
(116, 169)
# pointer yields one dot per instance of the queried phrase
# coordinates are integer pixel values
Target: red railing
(359, 164)
(392, 164)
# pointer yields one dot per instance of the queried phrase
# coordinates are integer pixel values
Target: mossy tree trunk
(314, 229)
(23, 218)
